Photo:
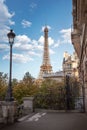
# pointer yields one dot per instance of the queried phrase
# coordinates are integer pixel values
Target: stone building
(57, 76)
(79, 41)
(70, 64)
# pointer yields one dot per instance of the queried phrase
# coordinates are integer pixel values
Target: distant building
(57, 76)
(70, 64)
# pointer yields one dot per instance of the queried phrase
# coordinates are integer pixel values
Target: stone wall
(8, 112)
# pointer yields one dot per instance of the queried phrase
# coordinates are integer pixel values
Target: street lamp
(9, 97)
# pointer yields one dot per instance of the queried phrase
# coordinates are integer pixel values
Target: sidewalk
(51, 121)
(19, 120)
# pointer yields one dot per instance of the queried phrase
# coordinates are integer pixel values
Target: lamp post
(9, 97)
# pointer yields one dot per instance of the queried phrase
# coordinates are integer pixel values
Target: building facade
(79, 41)
(57, 76)
(70, 64)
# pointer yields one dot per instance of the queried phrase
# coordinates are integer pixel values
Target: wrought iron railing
(58, 102)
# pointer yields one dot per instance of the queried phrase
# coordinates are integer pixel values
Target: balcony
(75, 37)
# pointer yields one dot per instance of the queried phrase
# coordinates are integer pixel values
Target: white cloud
(4, 47)
(66, 35)
(3, 33)
(24, 47)
(5, 21)
(33, 5)
(26, 23)
(65, 38)
(23, 39)
(32, 53)
(4, 13)
(51, 41)
(51, 51)
(41, 40)
(18, 58)
(39, 48)
(11, 22)
(34, 42)
(23, 43)
(56, 44)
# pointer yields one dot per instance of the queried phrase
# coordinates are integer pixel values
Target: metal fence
(58, 102)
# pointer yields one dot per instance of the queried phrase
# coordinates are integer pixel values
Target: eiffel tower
(46, 67)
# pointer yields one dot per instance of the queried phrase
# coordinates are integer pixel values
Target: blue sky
(27, 18)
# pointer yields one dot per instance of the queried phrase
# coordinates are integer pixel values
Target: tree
(3, 85)
(25, 87)
(74, 86)
(51, 95)
(14, 82)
